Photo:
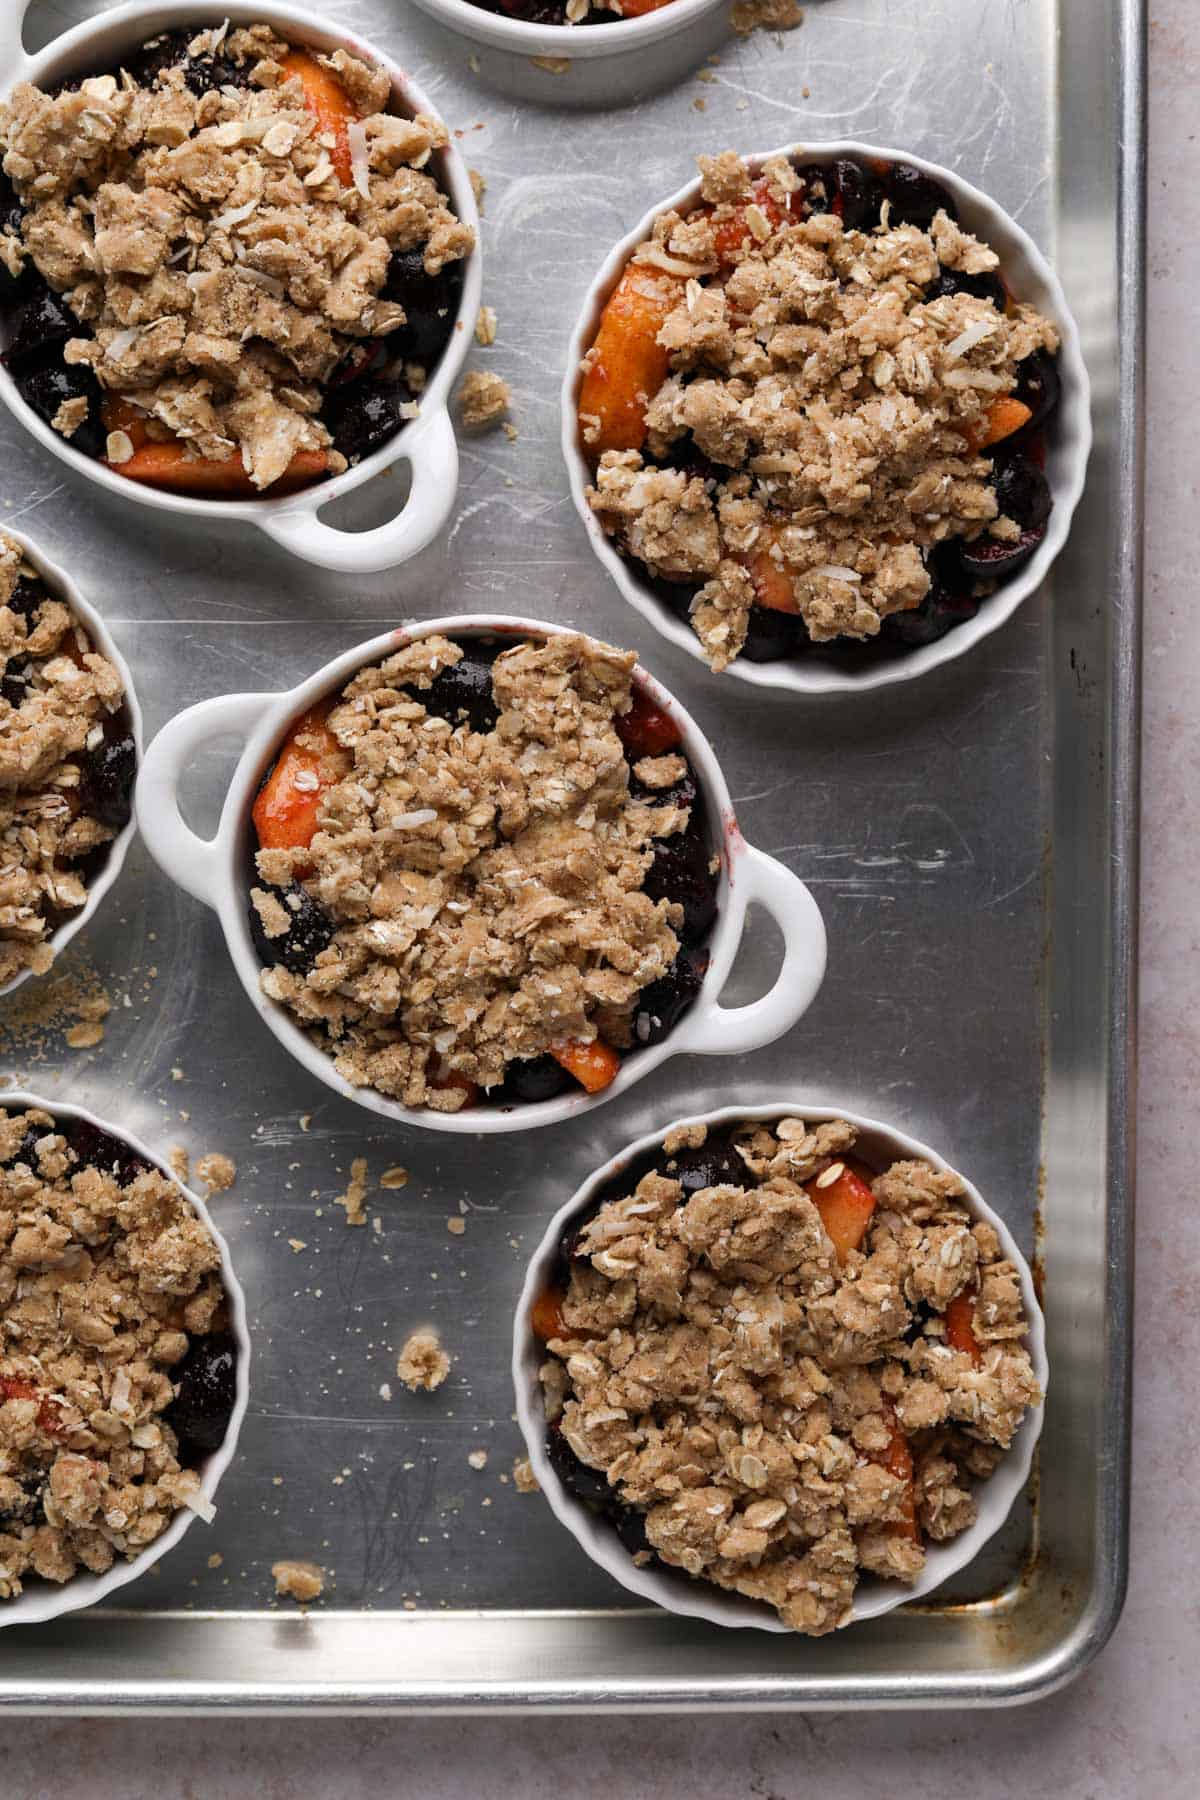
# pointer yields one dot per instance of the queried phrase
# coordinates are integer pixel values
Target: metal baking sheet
(971, 840)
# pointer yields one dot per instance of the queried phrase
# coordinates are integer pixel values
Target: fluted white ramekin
(427, 444)
(995, 1497)
(219, 872)
(1068, 438)
(43, 1600)
(61, 585)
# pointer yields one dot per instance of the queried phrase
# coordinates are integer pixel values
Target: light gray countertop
(1129, 1724)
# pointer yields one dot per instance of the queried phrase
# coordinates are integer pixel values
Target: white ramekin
(1068, 437)
(43, 1600)
(627, 38)
(994, 1497)
(219, 872)
(427, 444)
(61, 585)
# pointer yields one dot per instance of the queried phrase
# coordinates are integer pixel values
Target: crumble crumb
(765, 15)
(478, 1459)
(553, 65)
(84, 1037)
(217, 1172)
(483, 400)
(395, 1177)
(215, 1560)
(180, 1163)
(478, 181)
(524, 1479)
(485, 326)
(356, 1192)
(456, 1225)
(302, 1581)
(297, 1245)
(422, 1364)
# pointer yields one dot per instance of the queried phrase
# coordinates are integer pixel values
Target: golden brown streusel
(834, 404)
(209, 244)
(486, 886)
(295, 1580)
(744, 1388)
(422, 1364)
(64, 695)
(101, 1285)
(483, 400)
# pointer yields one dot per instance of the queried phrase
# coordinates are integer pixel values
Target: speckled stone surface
(1129, 1725)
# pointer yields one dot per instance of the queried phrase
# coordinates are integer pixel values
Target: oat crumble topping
(483, 399)
(485, 887)
(302, 1581)
(221, 249)
(747, 1383)
(422, 1364)
(106, 1277)
(831, 405)
(59, 699)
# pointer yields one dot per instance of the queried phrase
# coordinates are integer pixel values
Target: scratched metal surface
(928, 821)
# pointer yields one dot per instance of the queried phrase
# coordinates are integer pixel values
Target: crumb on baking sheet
(216, 1171)
(483, 400)
(553, 65)
(422, 1364)
(179, 1163)
(356, 1193)
(765, 15)
(395, 1177)
(456, 1225)
(302, 1581)
(478, 1459)
(478, 184)
(485, 326)
(524, 1479)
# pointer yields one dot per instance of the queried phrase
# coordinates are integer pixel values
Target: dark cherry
(14, 686)
(990, 559)
(662, 1004)
(27, 597)
(1039, 387)
(1022, 491)
(916, 197)
(946, 605)
(680, 872)
(429, 301)
(985, 286)
(92, 1145)
(44, 322)
(154, 58)
(588, 1485)
(714, 1163)
(206, 1383)
(683, 792)
(630, 1527)
(25, 1151)
(47, 389)
(203, 73)
(106, 781)
(464, 692)
(310, 930)
(362, 415)
(859, 193)
(772, 635)
(361, 360)
(531, 1079)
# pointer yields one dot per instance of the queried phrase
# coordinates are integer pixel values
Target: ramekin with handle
(43, 1600)
(1068, 437)
(427, 444)
(219, 872)
(63, 587)
(995, 1497)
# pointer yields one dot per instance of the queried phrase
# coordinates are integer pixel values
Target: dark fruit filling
(106, 781)
(206, 1388)
(547, 12)
(92, 1144)
(310, 930)
(591, 1489)
(366, 395)
(857, 194)
(680, 870)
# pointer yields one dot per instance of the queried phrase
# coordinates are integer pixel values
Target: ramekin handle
(175, 847)
(13, 55)
(715, 1030)
(430, 449)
